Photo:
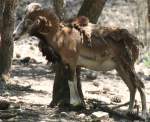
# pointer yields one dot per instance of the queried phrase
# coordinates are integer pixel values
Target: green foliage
(146, 59)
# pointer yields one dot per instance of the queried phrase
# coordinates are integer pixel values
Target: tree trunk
(61, 92)
(59, 8)
(61, 96)
(7, 8)
(148, 3)
(92, 9)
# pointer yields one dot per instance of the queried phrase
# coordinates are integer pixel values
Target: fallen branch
(7, 115)
(120, 105)
(94, 92)
(101, 106)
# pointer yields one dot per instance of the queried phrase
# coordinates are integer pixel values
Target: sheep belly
(100, 65)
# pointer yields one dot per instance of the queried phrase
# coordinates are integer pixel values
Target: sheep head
(37, 20)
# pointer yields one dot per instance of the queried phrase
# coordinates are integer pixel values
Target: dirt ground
(30, 91)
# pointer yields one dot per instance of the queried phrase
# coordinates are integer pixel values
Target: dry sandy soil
(30, 91)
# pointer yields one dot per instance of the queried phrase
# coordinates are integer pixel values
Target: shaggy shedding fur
(78, 23)
(47, 51)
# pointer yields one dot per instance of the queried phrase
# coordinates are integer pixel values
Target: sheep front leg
(76, 100)
(61, 90)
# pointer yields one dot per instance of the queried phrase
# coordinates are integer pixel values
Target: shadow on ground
(32, 70)
(19, 90)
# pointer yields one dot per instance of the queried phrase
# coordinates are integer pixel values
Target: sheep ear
(49, 24)
(82, 20)
(37, 22)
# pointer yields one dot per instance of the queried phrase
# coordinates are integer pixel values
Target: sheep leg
(140, 87)
(126, 78)
(143, 100)
(75, 99)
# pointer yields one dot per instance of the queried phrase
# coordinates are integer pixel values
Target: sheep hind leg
(143, 101)
(132, 89)
(140, 87)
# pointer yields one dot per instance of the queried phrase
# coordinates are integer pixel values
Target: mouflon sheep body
(110, 48)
